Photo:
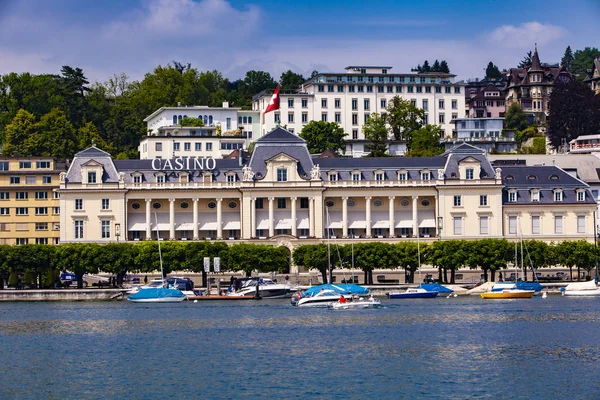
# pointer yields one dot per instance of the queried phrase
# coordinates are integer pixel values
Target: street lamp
(117, 230)
(440, 226)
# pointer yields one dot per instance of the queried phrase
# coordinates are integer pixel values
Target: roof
(280, 135)
(195, 108)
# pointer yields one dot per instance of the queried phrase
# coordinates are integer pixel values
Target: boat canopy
(589, 285)
(156, 293)
(342, 288)
(435, 287)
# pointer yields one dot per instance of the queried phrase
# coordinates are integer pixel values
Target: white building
(225, 129)
(350, 97)
(485, 133)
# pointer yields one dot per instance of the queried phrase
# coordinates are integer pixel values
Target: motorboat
(589, 288)
(436, 287)
(507, 291)
(355, 303)
(323, 295)
(166, 293)
(413, 293)
(267, 288)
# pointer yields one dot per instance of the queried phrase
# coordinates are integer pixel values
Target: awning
(262, 220)
(357, 220)
(403, 219)
(426, 219)
(164, 224)
(302, 219)
(136, 222)
(380, 219)
(207, 221)
(208, 226)
(335, 219)
(381, 224)
(303, 224)
(184, 222)
(282, 219)
(231, 221)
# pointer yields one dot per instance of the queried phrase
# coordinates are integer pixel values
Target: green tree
(21, 128)
(566, 121)
(567, 59)
(582, 61)
(436, 66)
(88, 135)
(444, 67)
(425, 67)
(313, 256)
(515, 118)
(374, 255)
(404, 118)
(425, 142)
(191, 121)
(527, 60)
(320, 136)
(563, 253)
(410, 255)
(73, 84)
(376, 132)
(492, 71)
(78, 258)
(290, 80)
(448, 255)
(54, 136)
(490, 255)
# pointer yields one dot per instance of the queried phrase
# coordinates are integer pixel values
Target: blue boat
(413, 293)
(436, 287)
(158, 295)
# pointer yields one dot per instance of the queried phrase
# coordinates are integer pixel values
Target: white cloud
(525, 35)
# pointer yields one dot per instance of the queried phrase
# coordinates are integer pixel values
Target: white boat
(266, 288)
(355, 303)
(322, 299)
(589, 288)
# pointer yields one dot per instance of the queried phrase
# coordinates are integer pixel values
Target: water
(457, 348)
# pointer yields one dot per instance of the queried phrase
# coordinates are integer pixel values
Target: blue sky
(134, 36)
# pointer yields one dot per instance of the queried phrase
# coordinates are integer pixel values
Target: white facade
(349, 98)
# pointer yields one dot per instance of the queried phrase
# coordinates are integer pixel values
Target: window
(41, 226)
(338, 103)
(458, 201)
(458, 226)
(383, 103)
(15, 180)
(91, 177)
(332, 177)
(321, 88)
(209, 145)
(4, 211)
(558, 196)
(441, 119)
(290, 103)
(355, 119)
(79, 229)
(356, 176)
(304, 117)
(291, 117)
(581, 224)
(105, 229)
(4, 195)
(483, 200)
(277, 117)
(355, 132)
(425, 105)
(535, 195)
(367, 104)
(56, 195)
(367, 115)
(21, 211)
(230, 178)
(426, 119)
(330, 88)
(21, 241)
(137, 179)
(106, 204)
(447, 89)
(21, 195)
(338, 117)
(24, 164)
(304, 103)
(187, 146)
(581, 196)
(535, 224)
(483, 225)
(454, 104)
(281, 202)
(402, 176)
(340, 89)
(42, 210)
(46, 179)
(323, 103)
(512, 197)
(158, 146)
(512, 225)
(369, 88)
(258, 203)
(324, 117)
(360, 88)
(4, 165)
(30, 180)
(281, 175)
(558, 224)
(355, 104)
(42, 240)
(441, 104)
(457, 89)
(41, 195)
(469, 173)
(424, 176)
(55, 210)
(42, 164)
(79, 204)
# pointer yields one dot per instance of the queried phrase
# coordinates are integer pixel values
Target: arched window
(174, 119)
(205, 120)
(210, 120)
(245, 120)
(185, 116)
(249, 120)
(179, 119)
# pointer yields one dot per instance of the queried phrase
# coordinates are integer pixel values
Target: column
(171, 219)
(195, 220)
(392, 222)
(252, 217)
(345, 217)
(311, 216)
(271, 217)
(219, 218)
(368, 215)
(294, 222)
(148, 219)
(415, 221)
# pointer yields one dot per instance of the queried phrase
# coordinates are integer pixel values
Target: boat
(508, 293)
(161, 292)
(436, 287)
(267, 288)
(355, 303)
(323, 295)
(589, 288)
(413, 293)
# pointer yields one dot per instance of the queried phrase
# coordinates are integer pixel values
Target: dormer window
(580, 195)
(356, 176)
(231, 178)
(91, 177)
(379, 176)
(558, 195)
(512, 196)
(137, 178)
(281, 174)
(332, 176)
(402, 176)
(160, 178)
(425, 175)
(535, 195)
(469, 173)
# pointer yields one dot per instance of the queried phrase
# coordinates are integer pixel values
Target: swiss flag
(274, 103)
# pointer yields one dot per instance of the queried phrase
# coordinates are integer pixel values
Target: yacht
(267, 288)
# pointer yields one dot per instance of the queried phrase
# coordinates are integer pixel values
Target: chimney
(225, 104)
(178, 104)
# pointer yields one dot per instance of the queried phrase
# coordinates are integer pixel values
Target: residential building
(29, 200)
(282, 195)
(485, 102)
(350, 97)
(531, 87)
(593, 76)
(486, 133)
(224, 129)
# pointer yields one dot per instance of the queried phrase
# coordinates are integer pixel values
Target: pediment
(91, 163)
(282, 157)
(469, 160)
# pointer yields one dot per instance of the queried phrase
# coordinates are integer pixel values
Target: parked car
(68, 279)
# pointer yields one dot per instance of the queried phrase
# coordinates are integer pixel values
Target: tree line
(40, 265)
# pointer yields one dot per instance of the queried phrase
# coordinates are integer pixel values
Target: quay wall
(61, 294)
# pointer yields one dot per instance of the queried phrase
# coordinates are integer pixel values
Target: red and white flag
(274, 103)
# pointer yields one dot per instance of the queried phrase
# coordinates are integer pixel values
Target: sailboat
(506, 290)
(163, 293)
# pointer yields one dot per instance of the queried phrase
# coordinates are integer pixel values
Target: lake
(456, 348)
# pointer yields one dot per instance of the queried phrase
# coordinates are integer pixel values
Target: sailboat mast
(329, 247)
(162, 274)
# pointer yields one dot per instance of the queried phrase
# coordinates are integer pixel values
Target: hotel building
(283, 195)
(350, 97)
(29, 200)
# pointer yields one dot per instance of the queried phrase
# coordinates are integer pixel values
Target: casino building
(281, 194)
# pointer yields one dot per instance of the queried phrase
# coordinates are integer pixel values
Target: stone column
(252, 217)
(311, 216)
(271, 217)
(368, 215)
(391, 217)
(219, 218)
(294, 222)
(415, 220)
(171, 219)
(195, 220)
(345, 217)
(148, 219)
